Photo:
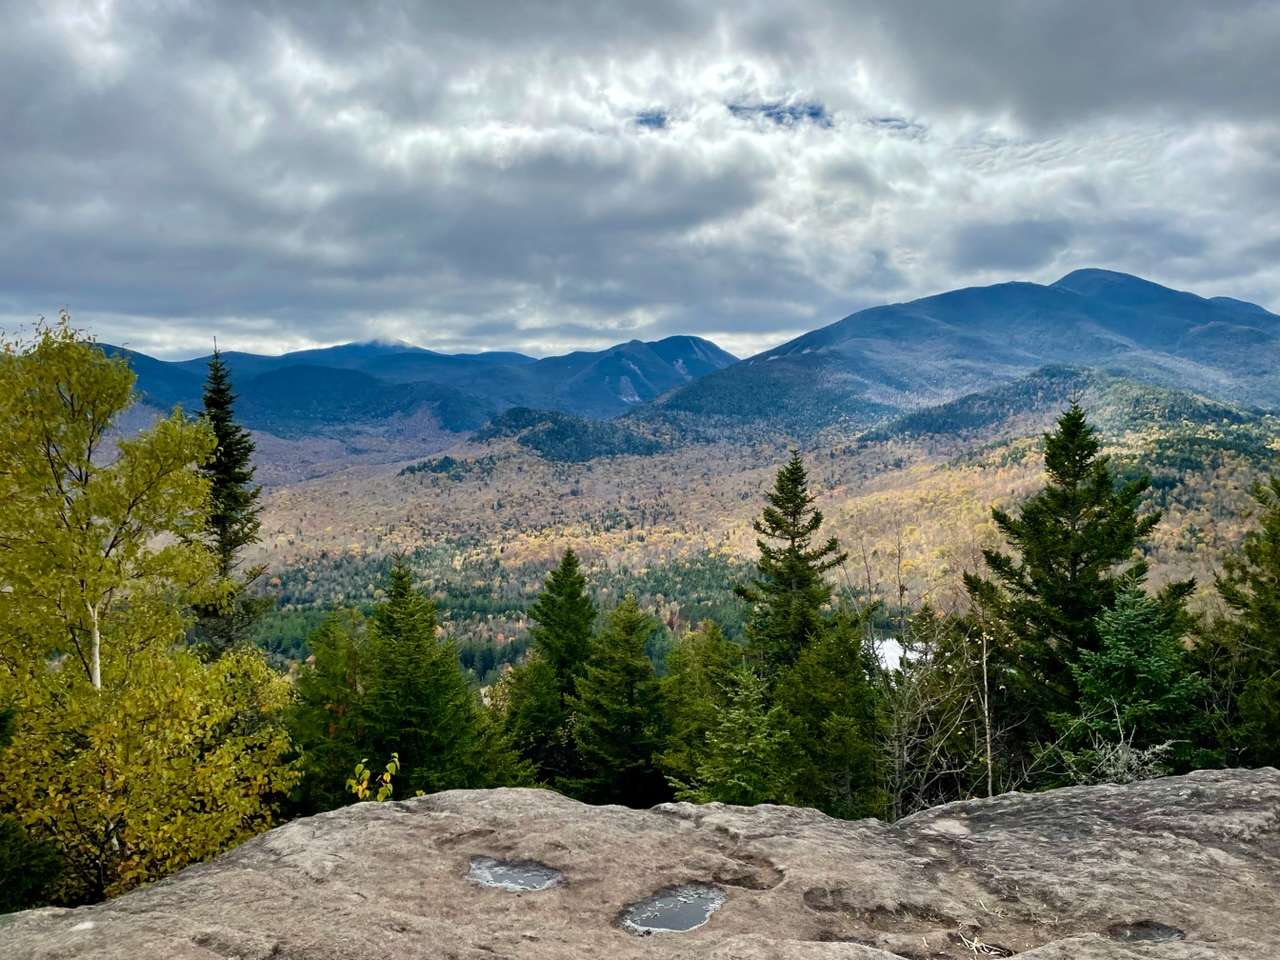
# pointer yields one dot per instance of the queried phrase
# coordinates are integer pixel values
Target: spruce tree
(1074, 543)
(617, 715)
(418, 703)
(534, 718)
(1138, 691)
(1249, 641)
(832, 702)
(539, 691)
(789, 589)
(694, 692)
(564, 617)
(745, 760)
(325, 719)
(233, 522)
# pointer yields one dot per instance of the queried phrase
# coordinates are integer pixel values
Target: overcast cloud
(548, 175)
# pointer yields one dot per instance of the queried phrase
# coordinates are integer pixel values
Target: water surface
(674, 910)
(513, 875)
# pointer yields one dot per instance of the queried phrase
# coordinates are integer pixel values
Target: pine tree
(1076, 542)
(617, 723)
(233, 522)
(1249, 642)
(745, 759)
(789, 589)
(538, 693)
(694, 692)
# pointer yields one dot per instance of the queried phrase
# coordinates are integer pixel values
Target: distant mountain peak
(1096, 273)
(932, 350)
(1095, 281)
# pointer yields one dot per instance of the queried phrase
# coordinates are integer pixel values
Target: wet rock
(1094, 873)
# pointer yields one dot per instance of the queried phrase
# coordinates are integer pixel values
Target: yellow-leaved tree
(128, 753)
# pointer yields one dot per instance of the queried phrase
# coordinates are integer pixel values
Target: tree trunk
(986, 714)
(95, 658)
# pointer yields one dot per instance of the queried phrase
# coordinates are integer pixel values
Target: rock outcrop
(1186, 868)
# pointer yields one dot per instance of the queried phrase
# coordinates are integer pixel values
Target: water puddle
(1145, 931)
(674, 910)
(514, 875)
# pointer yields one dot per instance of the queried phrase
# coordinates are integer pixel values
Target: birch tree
(128, 755)
(97, 531)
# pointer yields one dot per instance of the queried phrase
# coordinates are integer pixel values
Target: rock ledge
(1186, 868)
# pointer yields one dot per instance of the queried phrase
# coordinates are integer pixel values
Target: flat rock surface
(1186, 868)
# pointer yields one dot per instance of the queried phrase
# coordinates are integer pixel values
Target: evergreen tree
(1139, 692)
(745, 758)
(833, 709)
(233, 522)
(1076, 541)
(564, 617)
(538, 693)
(535, 719)
(789, 589)
(325, 718)
(617, 723)
(1249, 642)
(418, 703)
(694, 692)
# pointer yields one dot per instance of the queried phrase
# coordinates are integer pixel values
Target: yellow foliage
(141, 778)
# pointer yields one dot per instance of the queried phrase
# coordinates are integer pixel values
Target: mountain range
(866, 372)
(368, 382)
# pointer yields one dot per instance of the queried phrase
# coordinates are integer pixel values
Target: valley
(910, 501)
(649, 459)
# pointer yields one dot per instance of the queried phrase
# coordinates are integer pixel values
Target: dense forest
(146, 720)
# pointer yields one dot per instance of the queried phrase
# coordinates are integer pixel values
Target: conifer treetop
(563, 618)
(233, 519)
(789, 589)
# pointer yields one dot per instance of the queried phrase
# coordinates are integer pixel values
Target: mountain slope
(904, 356)
(601, 383)
(295, 401)
(1115, 403)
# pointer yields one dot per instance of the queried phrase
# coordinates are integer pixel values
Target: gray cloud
(493, 175)
(1017, 245)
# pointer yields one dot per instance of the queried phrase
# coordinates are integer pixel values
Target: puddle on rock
(515, 875)
(674, 910)
(1145, 931)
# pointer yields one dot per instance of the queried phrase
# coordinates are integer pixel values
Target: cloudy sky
(547, 175)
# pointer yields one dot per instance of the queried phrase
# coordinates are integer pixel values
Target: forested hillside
(1066, 577)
